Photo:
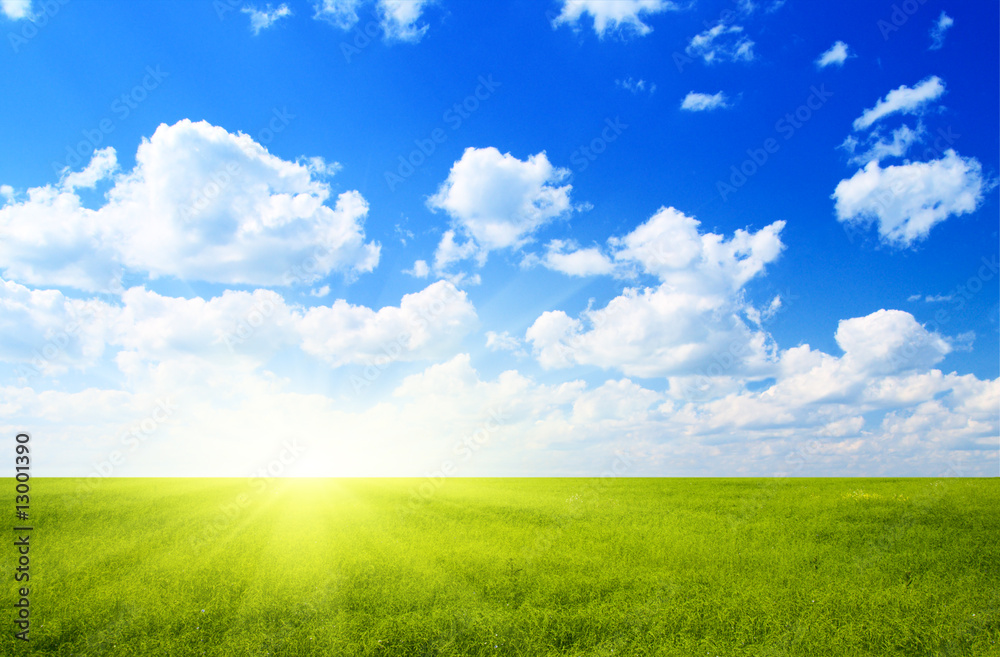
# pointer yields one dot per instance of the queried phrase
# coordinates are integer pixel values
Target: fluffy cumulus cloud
(698, 102)
(684, 324)
(16, 9)
(420, 269)
(101, 166)
(152, 328)
(903, 99)
(496, 201)
(907, 200)
(623, 17)
(256, 324)
(399, 19)
(880, 408)
(235, 329)
(48, 333)
(566, 257)
(261, 19)
(426, 324)
(671, 246)
(889, 341)
(200, 204)
(835, 56)
(721, 43)
(886, 365)
(940, 28)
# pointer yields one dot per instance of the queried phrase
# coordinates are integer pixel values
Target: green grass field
(532, 567)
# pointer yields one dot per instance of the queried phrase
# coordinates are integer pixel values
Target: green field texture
(532, 567)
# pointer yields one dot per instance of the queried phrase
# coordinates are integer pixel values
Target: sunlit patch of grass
(860, 496)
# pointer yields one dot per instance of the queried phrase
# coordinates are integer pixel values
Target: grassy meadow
(532, 567)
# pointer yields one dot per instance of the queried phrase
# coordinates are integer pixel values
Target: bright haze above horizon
(401, 238)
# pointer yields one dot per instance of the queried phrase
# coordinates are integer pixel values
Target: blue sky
(519, 238)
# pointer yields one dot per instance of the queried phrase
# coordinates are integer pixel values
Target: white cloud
(234, 329)
(420, 269)
(50, 239)
(836, 55)
(498, 201)
(16, 9)
(566, 257)
(155, 328)
(747, 7)
(399, 19)
(692, 319)
(670, 246)
(215, 206)
(635, 86)
(49, 333)
(101, 166)
(888, 342)
(944, 22)
(848, 426)
(426, 324)
(698, 102)
(721, 43)
(261, 19)
(908, 100)
(621, 16)
(320, 292)
(908, 200)
(878, 149)
(342, 13)
(886, 365)
(504, 342)
(620, 403)
(449, 251)
(824, 415)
